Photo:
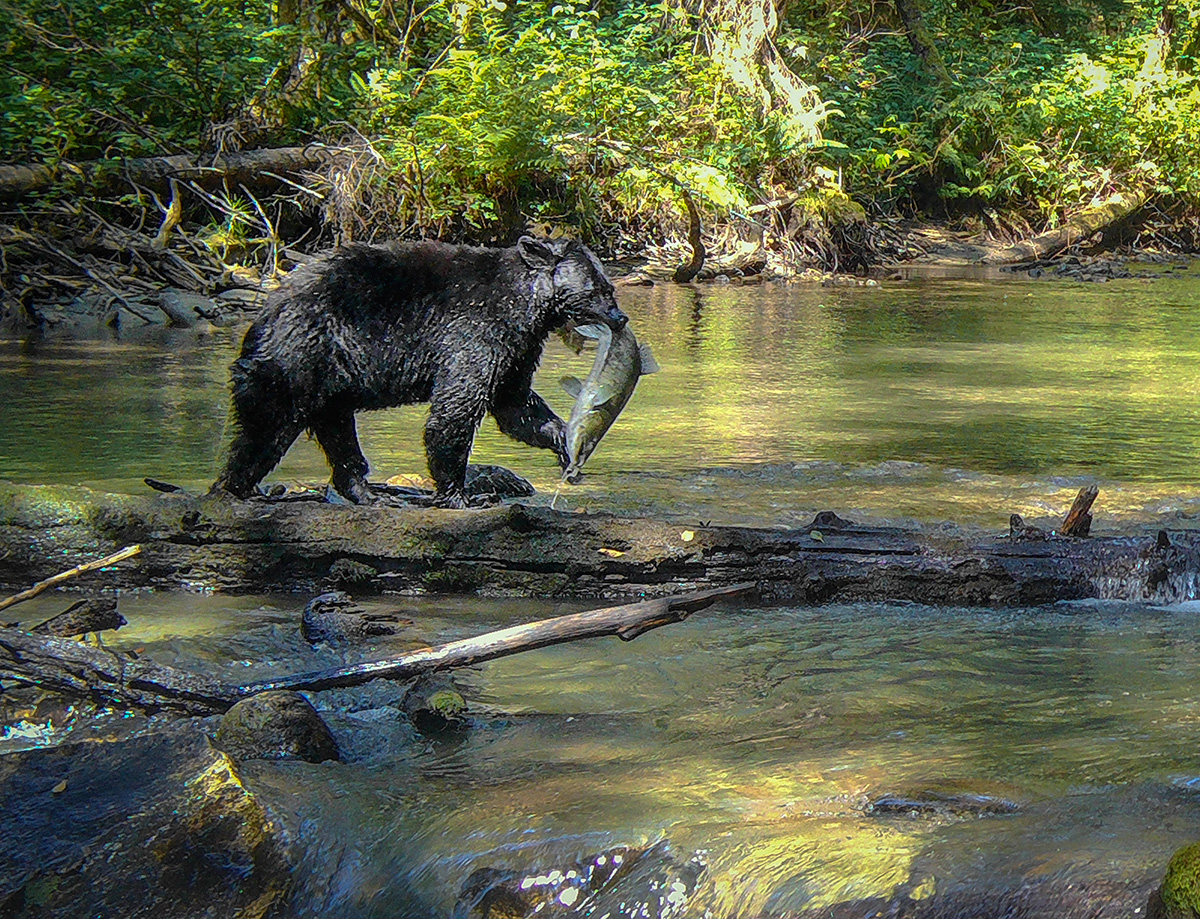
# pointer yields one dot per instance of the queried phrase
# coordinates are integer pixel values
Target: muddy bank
(192, 543)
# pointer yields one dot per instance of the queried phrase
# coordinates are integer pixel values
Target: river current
(810, 759)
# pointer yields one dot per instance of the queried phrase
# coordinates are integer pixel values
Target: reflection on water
(753, 736)
(931, 399)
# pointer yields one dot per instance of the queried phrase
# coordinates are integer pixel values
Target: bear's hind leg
(256, 449)
(454, 415)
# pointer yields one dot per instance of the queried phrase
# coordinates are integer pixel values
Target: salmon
(599, 399)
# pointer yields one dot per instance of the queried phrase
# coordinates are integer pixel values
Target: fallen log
(248, 167)
(627, 622)
(1086, 223)
(193, 543)
(82, 671)
(113, 678)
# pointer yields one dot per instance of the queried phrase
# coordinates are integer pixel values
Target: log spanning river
(837, 760)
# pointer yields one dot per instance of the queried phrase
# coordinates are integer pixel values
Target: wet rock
(1179, 895)
(434, 704)
(276, 725)
(621, 883)
(939, 804)
(348, 572)
(496, 481)
(1030, 898)
(95, 614)
(335, 617)
(160, 825)
(183, 308)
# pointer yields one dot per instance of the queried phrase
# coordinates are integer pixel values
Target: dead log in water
(1083, 225)
(114, 678)
(255, 546)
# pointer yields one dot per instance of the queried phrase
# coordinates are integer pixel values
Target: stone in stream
(1179, 895)
(276, 725)
(434, 704)
(334, 617)
(621, 883)
(927, 803)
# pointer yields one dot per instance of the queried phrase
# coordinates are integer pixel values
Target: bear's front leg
(526, 417)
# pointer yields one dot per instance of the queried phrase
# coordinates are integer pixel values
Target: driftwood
(257, 546)
(108, 677)
(113, 678)
(627, 622)
(127, 552)
(1079, 517)
(249, 168)
(1086, 223)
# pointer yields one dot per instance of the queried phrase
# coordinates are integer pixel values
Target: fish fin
(649, 364)
(572, 386)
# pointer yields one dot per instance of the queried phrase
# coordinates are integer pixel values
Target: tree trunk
(742, 38)
(921, 40)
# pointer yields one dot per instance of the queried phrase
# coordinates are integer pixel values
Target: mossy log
(1086, 223)
(253, 546)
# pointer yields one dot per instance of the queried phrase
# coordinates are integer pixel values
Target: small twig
(127, 552)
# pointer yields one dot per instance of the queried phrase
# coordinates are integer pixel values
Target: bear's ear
(536, 253)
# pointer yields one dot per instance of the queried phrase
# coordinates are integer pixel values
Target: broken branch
(127, 552)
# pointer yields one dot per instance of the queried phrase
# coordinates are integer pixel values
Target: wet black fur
(376, 326)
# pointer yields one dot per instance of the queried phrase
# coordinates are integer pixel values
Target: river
(1044, 760)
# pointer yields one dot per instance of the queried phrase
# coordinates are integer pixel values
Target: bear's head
(580, 292)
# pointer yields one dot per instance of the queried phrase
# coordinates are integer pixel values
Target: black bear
(373, 326)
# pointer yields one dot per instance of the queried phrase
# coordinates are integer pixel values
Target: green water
(755, 736)
(933, 399)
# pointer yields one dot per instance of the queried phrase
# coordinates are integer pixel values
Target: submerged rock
(160, 825)
(334, 617)
(276, 725)
(928, 803)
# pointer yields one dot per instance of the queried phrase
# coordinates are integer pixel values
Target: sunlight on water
(1060, 744)
(933, 399)
(810, 758)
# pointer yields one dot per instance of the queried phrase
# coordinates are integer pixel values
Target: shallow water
(931, 399)
(754, 736)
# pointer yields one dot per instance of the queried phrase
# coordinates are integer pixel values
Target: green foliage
(87, 78)
(541, 111)
(1052, 103)
(486, 115)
